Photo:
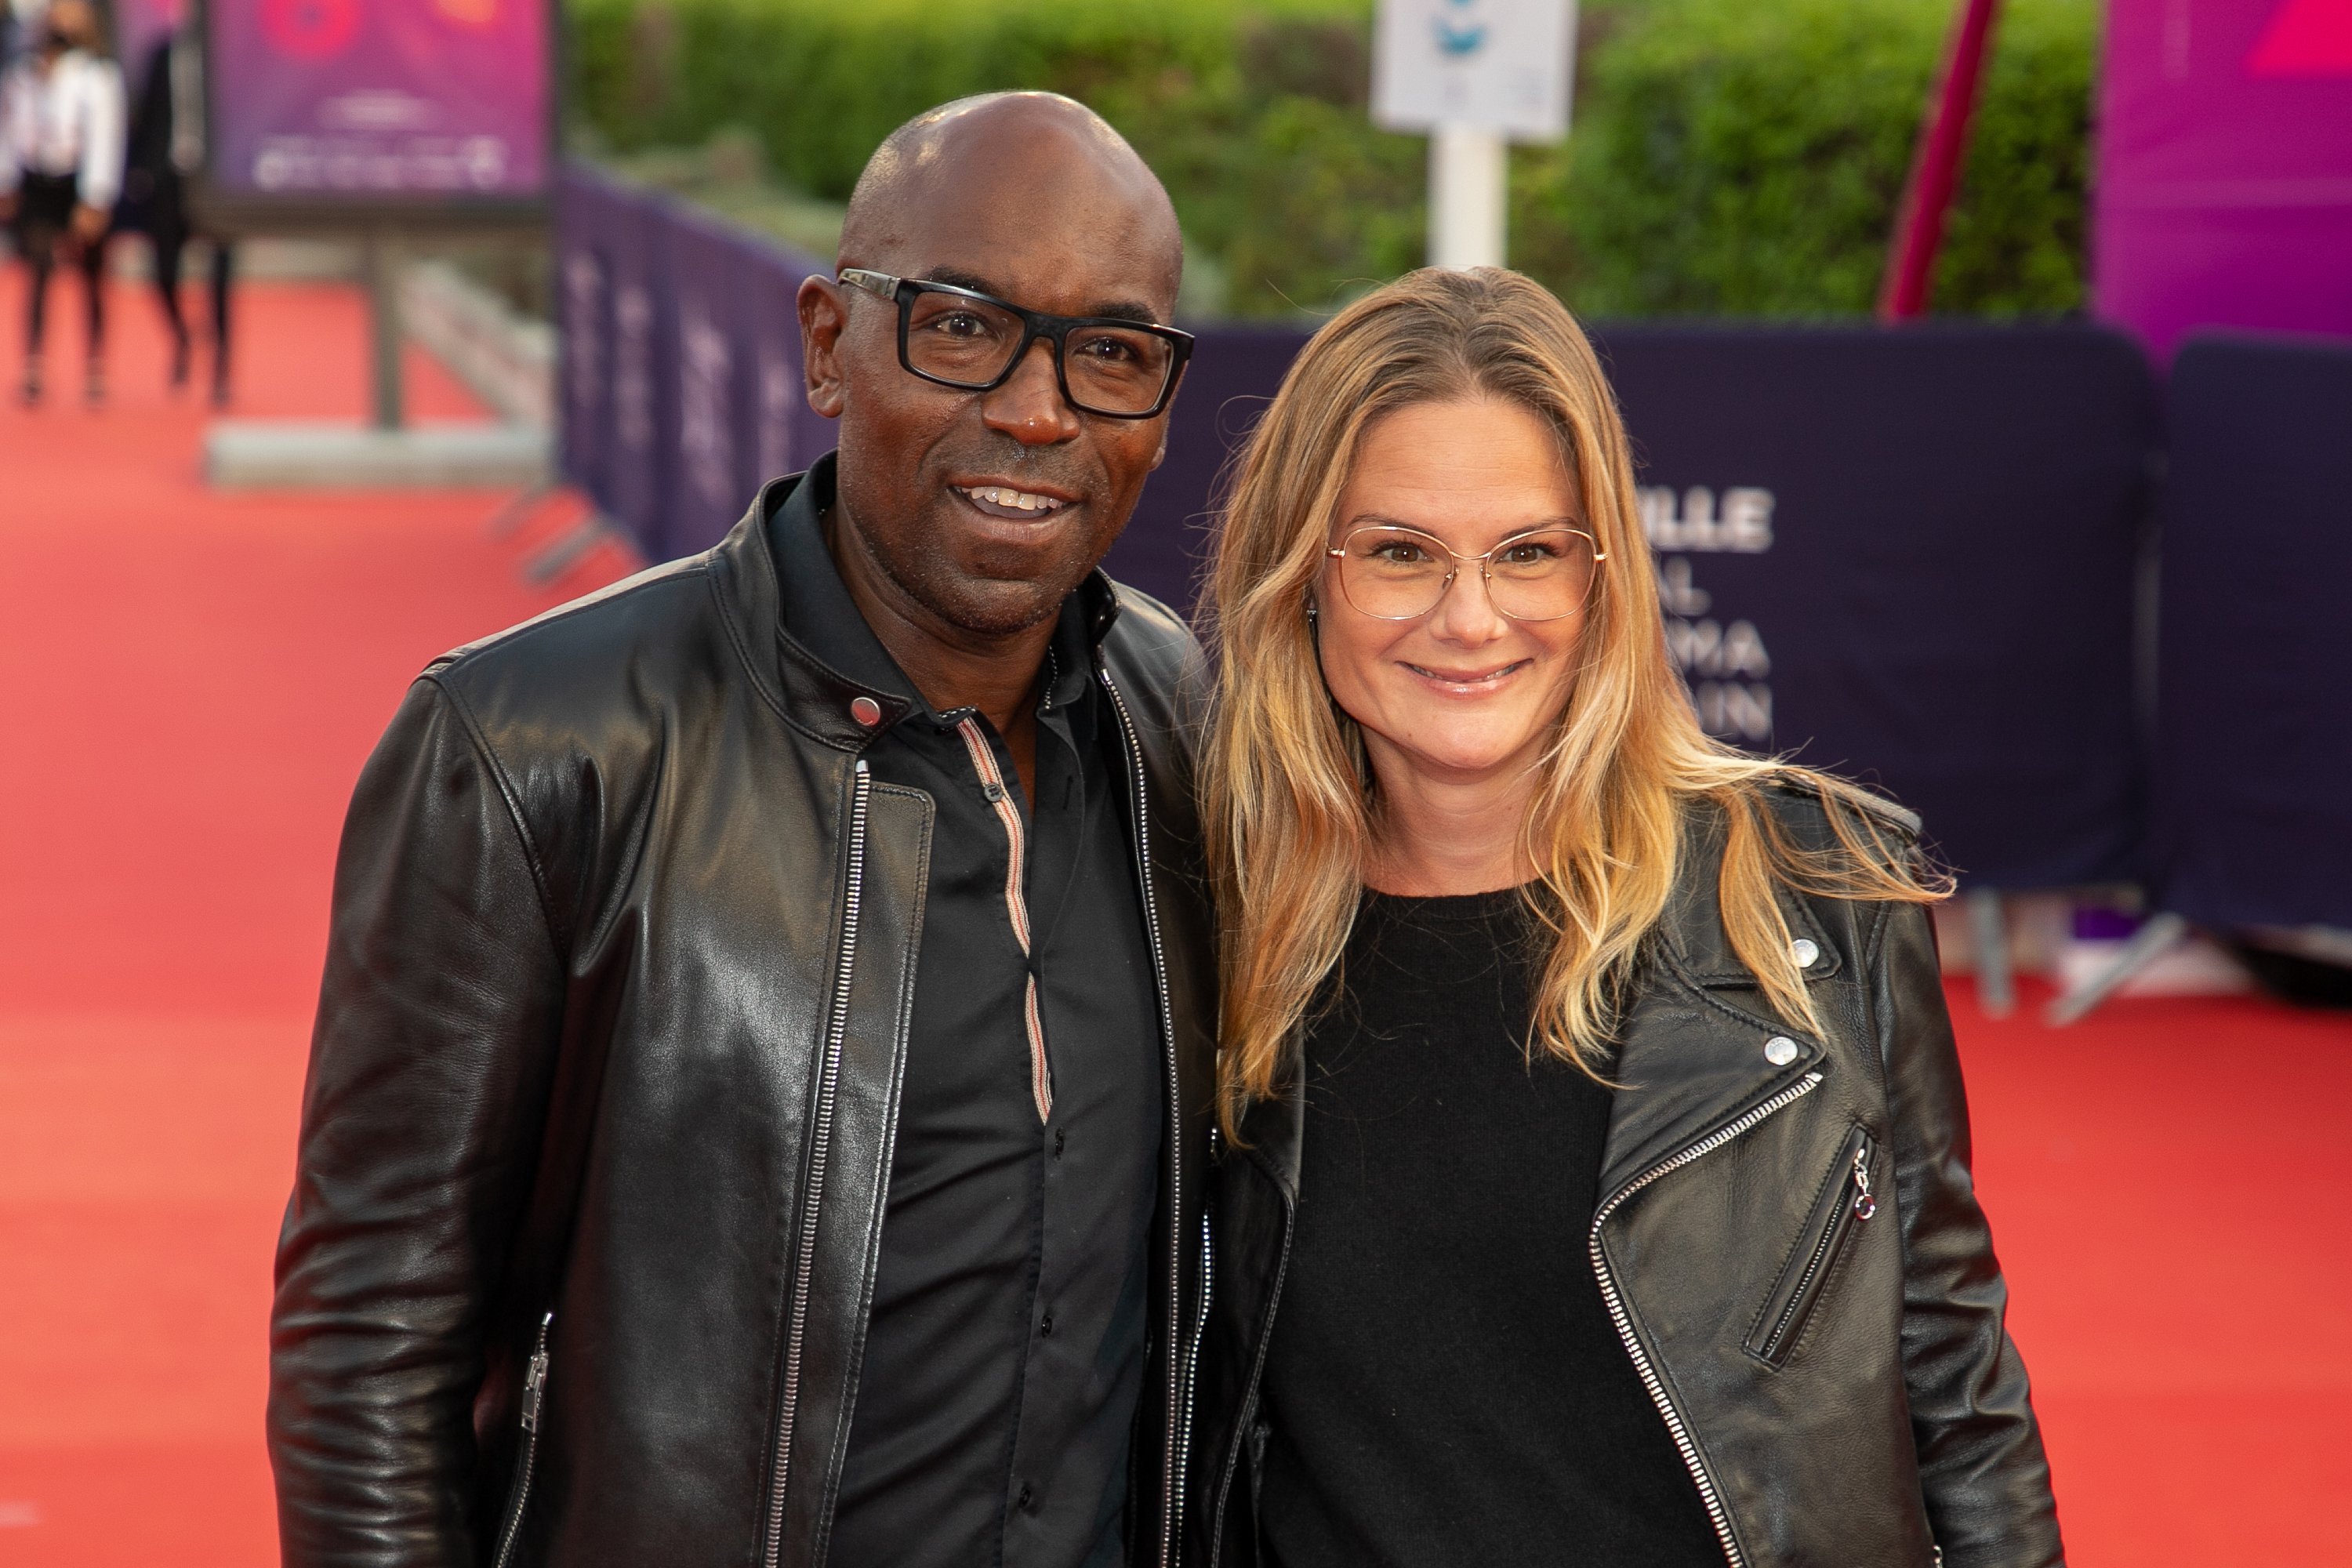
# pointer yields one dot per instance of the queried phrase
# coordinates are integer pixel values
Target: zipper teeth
(1016, 907)
(529, 1448)
(1715, 1513)
(1200, 1331)
(836, 1031)
(1179, 1423)
(1841, 1218)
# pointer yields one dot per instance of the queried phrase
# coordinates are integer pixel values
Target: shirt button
(865, 710)
(1061, 1136)
(1046, 1327)
(1780, 1050)
(1022, 1501)
(992, 792)
(1804, 951)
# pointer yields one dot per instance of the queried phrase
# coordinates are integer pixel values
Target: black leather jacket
(599, 1121)
(1842, 1390)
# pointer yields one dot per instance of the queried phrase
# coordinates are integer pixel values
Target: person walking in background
(759, 1107)
(167, 145)
(1598, 1184)
(61, 146)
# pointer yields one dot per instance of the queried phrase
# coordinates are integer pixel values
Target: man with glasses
(758, 1101)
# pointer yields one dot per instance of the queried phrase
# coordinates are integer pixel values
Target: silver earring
(1310, 612)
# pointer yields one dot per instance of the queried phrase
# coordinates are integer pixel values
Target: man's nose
(1466, 614)
(1029, 407)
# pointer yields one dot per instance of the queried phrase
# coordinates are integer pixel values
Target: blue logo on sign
(1459, 38)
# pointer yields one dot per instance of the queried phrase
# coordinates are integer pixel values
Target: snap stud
(865, 710)
(1780, 1050)
(1804, 951)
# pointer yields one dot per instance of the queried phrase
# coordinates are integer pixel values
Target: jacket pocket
(1843, 1205)
(534, 1394)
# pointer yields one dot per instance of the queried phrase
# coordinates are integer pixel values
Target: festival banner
(2223, 195)
(391, 104)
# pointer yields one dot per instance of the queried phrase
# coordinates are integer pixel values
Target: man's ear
(823, 312)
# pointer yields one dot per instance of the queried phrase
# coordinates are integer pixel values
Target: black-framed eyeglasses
(972, 341)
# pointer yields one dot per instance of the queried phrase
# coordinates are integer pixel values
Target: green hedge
(1729, 156)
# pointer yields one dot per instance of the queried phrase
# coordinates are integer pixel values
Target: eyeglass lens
(1397, 574)
(1110, 369)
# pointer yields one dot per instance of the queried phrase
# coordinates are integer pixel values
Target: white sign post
(1476, 75)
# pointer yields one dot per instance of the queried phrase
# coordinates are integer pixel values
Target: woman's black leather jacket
(616, 1004)
(1841, 1388)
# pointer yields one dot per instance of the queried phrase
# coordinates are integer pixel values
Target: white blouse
(67, 121)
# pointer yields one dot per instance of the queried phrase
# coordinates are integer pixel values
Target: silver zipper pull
(1864, 1206)
(534, 1378)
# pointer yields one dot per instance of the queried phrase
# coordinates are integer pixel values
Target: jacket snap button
(1804, 951)
(865, 710)
(1780, 1050)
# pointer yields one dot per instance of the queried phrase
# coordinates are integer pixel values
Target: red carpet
(189, 683)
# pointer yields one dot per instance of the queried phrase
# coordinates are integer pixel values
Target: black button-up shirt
(1005, 1355)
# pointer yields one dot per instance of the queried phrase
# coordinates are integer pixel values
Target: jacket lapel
(1689, 1063)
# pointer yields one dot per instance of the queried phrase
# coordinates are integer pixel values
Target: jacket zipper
(534, 1394)
(1716, 1512)
(1016, 903)
(1247, 1409)
(1178, 1400)
(1851, 1203)
(819, 1141)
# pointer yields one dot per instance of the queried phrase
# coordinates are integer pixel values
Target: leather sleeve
(429, 1066)
(1986, 1482)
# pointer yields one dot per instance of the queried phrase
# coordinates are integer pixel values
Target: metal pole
(384, 331)
(1935, 171)
(2147, 944)
(1996, 990)
(1467, 171)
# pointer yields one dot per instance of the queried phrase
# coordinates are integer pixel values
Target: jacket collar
(1692, 928)
(1693, 1049)
(779, 588)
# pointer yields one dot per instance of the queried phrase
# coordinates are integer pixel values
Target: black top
(1005, 1355)
(1444, 1384)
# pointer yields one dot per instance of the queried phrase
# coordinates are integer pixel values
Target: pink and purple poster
(2224, 189)
(379, 101)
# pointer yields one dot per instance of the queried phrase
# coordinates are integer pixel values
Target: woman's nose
(1465, 612)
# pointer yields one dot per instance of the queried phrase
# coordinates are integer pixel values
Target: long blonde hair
(1287, 794)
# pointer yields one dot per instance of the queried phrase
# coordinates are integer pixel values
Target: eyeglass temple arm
(881, 285)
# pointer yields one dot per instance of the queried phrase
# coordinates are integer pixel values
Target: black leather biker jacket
(1842, 1388)
(599, 1122)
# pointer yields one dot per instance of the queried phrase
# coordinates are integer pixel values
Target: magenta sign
(2224, 187)
(400, 102)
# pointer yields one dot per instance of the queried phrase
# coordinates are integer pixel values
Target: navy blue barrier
(1911, 557)
(2253, 763)
(681, 363)
(1908, 556)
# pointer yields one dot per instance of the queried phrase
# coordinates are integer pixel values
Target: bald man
(758, 1104)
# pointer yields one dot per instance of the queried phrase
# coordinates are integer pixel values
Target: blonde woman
(1596, 1182)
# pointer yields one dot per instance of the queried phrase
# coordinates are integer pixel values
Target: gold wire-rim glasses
(1485, 560)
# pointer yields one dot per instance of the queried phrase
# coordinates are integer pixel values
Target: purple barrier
(681, 375)
(2253, 728)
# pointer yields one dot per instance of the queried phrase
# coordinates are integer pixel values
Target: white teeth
(998, 495)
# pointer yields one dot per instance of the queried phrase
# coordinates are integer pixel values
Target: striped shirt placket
(1016, 903)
